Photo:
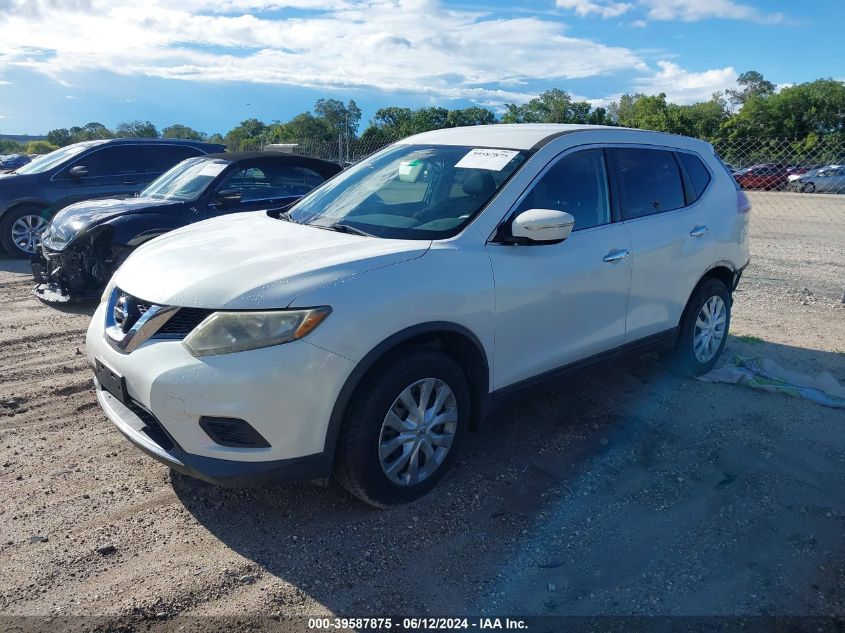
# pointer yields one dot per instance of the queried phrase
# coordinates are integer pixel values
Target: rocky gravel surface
(626, 490)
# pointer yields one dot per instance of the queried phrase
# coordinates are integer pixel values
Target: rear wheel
(703, 330)
(403, 428)
(21, 229)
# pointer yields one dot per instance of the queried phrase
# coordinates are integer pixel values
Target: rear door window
(157, 159)
(649, 181)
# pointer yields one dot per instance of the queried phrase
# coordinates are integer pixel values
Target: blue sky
(212, 63)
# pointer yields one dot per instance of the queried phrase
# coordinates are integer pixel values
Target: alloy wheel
(418, 431)
(26, 232)
(709, 329)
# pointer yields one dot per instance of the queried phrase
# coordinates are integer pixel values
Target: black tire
(6, 222)
(682, 357)
(357, 465)
(809, 187)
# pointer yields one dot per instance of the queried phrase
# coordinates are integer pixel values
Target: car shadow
(512, 519)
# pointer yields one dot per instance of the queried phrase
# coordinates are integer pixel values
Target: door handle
(699, 230)
(616, 255)
(131, 182)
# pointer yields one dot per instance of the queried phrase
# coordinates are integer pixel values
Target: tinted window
(577, 184)
(115, 160)
(266, 180)
(157, 159)
(649, 182)
(697, 172)
(312, 178)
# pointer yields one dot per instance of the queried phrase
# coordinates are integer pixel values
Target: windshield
(48, 161)
(186, 181)
(411, 191)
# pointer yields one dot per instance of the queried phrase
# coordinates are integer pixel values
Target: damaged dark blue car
(86, 242)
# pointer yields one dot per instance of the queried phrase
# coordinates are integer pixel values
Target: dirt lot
(625, 491)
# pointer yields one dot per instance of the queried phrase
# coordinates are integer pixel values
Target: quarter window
(649, 181)
(577, 184)
(697, 172)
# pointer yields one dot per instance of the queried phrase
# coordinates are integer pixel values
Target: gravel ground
(626, 490)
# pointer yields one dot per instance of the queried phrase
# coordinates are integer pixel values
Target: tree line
(809, 113)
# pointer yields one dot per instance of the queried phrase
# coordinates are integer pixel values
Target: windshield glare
(186, 181)
(48, 161)
(411, 191)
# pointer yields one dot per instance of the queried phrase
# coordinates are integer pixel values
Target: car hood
(92, 212)
(14, 180)
(252, 261)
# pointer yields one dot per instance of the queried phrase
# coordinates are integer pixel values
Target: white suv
(363, 331)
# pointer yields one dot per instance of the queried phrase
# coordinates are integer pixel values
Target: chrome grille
(150, 320)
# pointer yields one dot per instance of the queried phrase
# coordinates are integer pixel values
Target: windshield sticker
(492, 159)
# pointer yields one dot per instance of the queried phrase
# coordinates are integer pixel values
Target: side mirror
(542, 225)
(80, 171)
(228, 196)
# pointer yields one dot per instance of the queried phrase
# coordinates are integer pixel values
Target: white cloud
(694, 10)
(684, 10)
(683, 86)
(603, 8)
(413, 46)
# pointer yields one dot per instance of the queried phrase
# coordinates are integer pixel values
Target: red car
(768, 176)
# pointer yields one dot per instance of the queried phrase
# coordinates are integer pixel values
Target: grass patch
(747, 338)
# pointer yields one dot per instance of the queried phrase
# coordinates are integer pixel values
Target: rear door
(669, 224)
(110, 171)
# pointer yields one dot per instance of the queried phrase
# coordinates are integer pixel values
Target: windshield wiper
(340, 227)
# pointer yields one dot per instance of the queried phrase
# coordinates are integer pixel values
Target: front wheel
(403, 427)
(809, 187)
(21, 229)
(703, 331)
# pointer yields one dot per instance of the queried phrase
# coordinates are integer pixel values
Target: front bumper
(60, 276)
(142, 429)
(286, 393)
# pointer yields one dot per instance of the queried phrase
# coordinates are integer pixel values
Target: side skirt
(654, 343)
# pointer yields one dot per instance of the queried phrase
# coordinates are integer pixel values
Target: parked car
(366, 329)
(32, 194)
(86, 242)
(830, 179)
(13, 161)
(766, 176)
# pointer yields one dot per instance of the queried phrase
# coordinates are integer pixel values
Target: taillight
(743, 204)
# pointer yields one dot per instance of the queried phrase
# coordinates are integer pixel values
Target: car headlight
(107, 292)
(227, 332)
(57, 237)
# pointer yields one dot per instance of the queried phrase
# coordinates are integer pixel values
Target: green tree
(303, 128)
(552, 106)
(342, 119)
(752, 85)
(136, 129)
(177, 130)
(470, 116)
(40, 147)
(59, 137)
(8, 146)
(217, 137)
(248, 135)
